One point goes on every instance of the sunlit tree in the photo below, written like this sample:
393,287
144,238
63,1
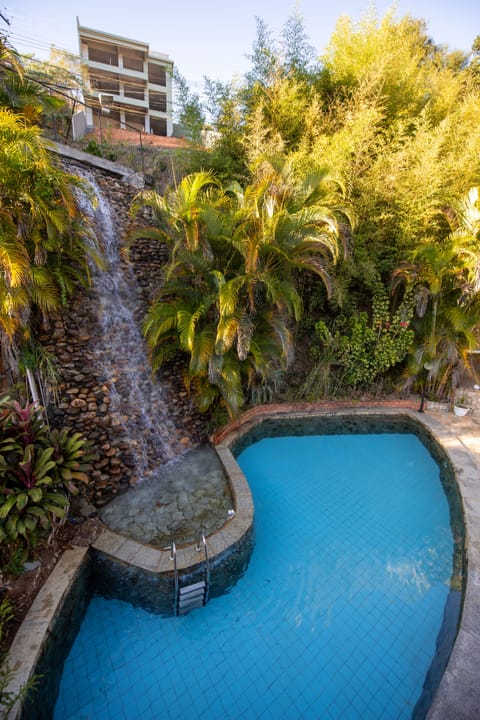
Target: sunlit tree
445,277
229,299
44,240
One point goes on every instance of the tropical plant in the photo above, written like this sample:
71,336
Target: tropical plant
230,296
10,67
38,470
372,346
286,221
45,241
445,277
360,348
183,213
21,93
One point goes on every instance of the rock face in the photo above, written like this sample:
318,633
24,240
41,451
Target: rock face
86,394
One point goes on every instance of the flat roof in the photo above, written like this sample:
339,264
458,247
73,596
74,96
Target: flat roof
84,31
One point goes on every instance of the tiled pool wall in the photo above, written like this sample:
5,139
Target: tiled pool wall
101,573
445,642
155,592
344,423
56,645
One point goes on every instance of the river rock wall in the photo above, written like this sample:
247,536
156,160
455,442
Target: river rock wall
83,400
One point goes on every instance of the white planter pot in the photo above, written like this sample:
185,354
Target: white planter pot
460,411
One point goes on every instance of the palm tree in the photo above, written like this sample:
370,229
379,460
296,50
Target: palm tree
229,295
445,276
290,223
10,65
44,240
21,94
188,209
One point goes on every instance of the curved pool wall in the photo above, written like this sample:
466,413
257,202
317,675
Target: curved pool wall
101,574
343,424
379,425
124,569
458,692
47,633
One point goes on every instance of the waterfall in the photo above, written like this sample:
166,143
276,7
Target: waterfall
137,402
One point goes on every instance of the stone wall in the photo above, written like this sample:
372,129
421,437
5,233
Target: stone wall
84,394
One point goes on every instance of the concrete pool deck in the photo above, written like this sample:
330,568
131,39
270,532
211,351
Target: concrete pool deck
458,696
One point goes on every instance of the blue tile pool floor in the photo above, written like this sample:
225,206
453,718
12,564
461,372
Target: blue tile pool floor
336,617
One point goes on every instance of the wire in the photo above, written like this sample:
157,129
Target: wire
37,42
118,107
98,74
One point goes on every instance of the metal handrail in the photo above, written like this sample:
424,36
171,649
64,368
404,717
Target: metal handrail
207,565
173,556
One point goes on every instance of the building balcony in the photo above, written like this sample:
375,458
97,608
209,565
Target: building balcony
117,70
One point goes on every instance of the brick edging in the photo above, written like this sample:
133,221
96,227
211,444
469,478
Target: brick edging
260,411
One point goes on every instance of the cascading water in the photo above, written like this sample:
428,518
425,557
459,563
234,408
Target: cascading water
137,402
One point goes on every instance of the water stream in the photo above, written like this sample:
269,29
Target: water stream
138,403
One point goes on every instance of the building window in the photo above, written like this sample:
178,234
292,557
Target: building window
112,120
158,126
134,91
105,83
135,122
157,101
157,74
106,54
133,60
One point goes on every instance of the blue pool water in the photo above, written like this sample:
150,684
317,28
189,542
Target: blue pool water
337,616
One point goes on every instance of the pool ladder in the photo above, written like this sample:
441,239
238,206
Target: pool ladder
195,595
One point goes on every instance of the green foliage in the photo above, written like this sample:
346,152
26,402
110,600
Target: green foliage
229,297
45,242
444,279
38,469
298,55
16,561
360,349
373,51
24,89
263,57
226,155
369,347
189,111
99,150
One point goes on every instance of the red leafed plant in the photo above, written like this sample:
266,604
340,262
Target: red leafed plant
39,468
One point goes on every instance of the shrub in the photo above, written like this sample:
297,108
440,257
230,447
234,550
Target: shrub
38,470
99,150
361,349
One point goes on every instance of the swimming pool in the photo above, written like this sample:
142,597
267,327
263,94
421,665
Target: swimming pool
338,615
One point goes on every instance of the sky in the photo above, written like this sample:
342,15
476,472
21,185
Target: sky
213,37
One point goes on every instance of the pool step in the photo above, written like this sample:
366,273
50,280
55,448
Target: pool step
191,597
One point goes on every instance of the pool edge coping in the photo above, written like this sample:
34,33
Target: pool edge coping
458,694
459,682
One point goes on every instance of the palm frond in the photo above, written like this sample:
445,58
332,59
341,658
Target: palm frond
228,296
202,350
227,329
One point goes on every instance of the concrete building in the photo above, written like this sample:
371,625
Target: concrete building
130,85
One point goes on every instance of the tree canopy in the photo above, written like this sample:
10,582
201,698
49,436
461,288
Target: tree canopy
393,117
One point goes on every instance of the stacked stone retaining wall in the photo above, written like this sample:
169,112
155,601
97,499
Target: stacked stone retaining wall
83,396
